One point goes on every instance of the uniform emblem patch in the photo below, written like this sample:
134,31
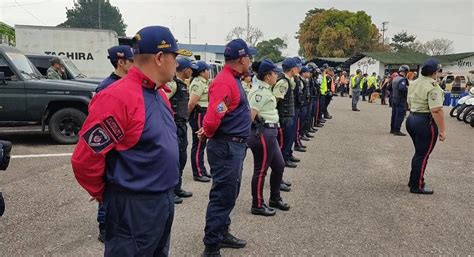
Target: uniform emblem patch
434,96
113,127
221,108
258,98
282,90
97,138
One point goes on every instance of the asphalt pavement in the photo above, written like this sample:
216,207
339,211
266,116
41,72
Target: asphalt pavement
349,197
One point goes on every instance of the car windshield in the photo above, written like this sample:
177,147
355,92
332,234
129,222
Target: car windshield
75,72
23,64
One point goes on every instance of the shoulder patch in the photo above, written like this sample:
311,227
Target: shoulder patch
258,98
97,138
113,127
221,107
282,90
434,96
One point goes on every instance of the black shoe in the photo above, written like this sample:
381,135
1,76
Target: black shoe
308,135
201,179
300,149
207,174
356,110
392,131
294,159
183,194
313,130
322,120
409,185
231,241
398,133
328,117
290,164
319,125
101,236
211,251
286,183
178,200
279,204
263,211
284,188
304,146
304,138
423,191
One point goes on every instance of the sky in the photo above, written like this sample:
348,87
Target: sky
211,20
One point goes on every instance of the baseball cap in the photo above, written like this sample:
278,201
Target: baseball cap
430,66
236,49
267,65
201,66
289,63
184,63
299,61
155,39
304,69
120,52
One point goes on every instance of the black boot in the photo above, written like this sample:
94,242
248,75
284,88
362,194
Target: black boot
284,187
279,204
201,179
308,135
183,194
230,241
211,251
304,138
290,164
300,149
294,159
286,183
178,200
263,211
101,236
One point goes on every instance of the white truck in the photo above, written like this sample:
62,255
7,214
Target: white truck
87,48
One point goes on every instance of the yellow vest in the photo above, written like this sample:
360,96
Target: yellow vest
324,85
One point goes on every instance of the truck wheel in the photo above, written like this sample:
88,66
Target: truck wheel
472,121
460,113
454,112
65,124
468,113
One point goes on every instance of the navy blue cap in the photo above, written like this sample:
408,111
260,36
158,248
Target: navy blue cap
120,52
184,63
202,66
325,65
304,69
298,61
430,66
155,39
289,63
237,48
267,65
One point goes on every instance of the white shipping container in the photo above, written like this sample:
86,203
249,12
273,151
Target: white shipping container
87,48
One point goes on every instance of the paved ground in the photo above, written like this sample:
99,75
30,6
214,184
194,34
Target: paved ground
349,198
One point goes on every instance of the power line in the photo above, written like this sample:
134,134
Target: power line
26,10
432,30
20,5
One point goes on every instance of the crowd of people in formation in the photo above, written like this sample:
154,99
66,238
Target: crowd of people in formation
133,146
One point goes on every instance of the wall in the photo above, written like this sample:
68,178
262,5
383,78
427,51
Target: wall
368,65
209,57
461,66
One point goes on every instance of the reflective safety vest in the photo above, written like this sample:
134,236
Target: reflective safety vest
324,85
353,82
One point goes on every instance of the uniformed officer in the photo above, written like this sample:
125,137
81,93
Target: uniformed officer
247,81
179,98
305,123
356,85
324,93
425,124
56,71
364,86
197,107
121,57
283,91
127,155
399,100
372,85
299,109
314,87
227,125
317,80
263,140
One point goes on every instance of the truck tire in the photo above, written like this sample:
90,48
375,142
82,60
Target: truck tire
64,125
460,113
472,121
454,111
468,113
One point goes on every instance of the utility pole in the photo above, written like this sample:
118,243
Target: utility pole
248,20
383,31
189,31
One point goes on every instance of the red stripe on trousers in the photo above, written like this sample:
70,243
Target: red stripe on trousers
298,140
262,173
198,167
317,112
423,165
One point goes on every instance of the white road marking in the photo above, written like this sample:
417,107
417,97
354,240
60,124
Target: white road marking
40,155
20,130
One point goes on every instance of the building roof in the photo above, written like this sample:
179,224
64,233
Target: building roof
389,58
217,49
449,58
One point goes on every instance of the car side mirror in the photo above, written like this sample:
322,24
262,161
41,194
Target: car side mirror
2,78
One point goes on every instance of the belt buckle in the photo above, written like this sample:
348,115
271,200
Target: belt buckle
237,139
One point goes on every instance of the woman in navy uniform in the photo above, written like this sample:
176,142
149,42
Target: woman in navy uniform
263,140
425,123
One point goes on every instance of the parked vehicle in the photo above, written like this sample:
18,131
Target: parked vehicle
87,48
42,63
27,98
459,108
469,111
448,80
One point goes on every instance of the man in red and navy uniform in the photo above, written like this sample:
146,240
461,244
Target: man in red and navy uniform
127,155
227,125
121,57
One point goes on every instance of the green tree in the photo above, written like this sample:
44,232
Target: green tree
271,49
336,33
402,42
97,14
7,34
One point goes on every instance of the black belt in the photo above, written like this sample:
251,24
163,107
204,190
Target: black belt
241,140
272,125
428,114
200,109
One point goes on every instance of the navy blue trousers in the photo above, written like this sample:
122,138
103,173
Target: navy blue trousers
322,106
285,137
398,114
315,111
299,113
226,161
424,133
182,133
198,147
138,224
266,153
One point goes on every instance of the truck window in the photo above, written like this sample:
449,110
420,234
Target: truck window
5,68
24,66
